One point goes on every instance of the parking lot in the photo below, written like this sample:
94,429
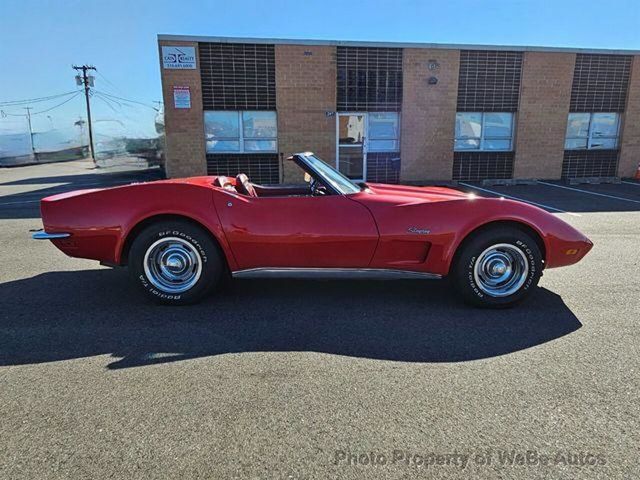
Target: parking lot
318,379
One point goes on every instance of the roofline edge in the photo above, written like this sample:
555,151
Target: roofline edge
357,43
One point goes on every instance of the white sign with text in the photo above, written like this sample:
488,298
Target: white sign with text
181,97
179,57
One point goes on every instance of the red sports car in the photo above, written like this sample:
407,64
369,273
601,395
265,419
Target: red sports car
180,237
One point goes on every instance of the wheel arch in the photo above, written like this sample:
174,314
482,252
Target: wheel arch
524,227
142,224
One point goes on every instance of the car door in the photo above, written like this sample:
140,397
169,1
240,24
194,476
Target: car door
298,231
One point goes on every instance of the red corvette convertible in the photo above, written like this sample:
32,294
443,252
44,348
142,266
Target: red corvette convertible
179,237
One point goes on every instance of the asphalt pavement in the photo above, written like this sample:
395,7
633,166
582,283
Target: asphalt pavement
317,379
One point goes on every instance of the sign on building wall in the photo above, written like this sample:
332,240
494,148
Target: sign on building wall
179,57
181,97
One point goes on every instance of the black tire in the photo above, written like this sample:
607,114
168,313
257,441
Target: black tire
470,282
192,245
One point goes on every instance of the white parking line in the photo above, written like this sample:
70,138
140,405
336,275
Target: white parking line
590,193
521,200
18,203
637,184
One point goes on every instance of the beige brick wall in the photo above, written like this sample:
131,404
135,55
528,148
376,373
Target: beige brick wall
542,117
185,149
305,90
428,114
630,140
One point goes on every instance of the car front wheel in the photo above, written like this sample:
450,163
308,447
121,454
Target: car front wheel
175,262
497,268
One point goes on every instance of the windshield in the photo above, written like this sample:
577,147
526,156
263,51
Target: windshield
336,179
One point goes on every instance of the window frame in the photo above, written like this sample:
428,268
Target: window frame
241,138
372,139
590,138
483,138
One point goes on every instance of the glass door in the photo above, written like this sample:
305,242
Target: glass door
352,146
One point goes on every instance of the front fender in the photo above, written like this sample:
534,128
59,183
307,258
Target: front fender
557,236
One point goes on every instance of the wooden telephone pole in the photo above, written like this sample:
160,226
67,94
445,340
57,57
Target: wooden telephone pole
85,81
33,148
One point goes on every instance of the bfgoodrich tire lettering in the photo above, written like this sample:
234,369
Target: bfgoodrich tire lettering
497,267
175,262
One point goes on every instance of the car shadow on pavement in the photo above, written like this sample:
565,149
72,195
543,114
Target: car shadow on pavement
66,315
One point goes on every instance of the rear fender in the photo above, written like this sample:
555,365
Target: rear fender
101,221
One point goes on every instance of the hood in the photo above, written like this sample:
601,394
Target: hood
408,194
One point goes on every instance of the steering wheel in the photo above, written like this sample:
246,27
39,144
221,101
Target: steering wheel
317,189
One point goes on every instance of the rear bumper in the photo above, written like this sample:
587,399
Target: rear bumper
49,236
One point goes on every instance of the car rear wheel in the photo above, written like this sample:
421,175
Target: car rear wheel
497,268
175,262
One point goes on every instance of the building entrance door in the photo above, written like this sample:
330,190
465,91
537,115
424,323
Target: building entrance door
352,133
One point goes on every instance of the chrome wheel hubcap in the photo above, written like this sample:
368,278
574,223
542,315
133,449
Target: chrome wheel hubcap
501,270
172,265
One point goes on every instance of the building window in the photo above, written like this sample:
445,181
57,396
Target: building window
592,131
384,132
489,81
240,132
237,76
368,79
600,83
484,131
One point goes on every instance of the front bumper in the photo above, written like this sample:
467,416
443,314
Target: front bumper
42,235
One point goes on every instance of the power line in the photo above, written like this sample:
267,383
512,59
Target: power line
56,106
6,114
108,81
109,101
127,100
100,97
104,98
36,100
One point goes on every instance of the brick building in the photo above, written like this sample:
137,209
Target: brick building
390,113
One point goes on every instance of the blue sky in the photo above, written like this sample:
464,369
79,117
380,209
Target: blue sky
39,40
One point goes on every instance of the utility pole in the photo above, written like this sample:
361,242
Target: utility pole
33,148
85,81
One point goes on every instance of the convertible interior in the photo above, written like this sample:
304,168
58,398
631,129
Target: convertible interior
241,184
320,177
